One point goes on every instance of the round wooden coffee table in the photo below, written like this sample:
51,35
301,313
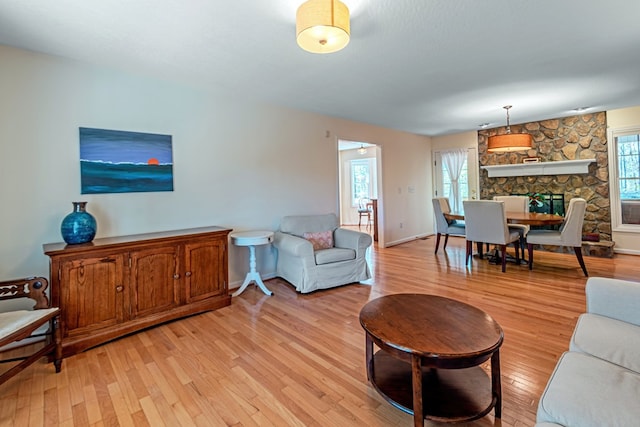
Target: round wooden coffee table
430,349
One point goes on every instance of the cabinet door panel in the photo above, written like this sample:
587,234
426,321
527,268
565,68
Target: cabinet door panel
93,293
206,266
154,280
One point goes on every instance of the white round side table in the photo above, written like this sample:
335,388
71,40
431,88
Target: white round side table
252,239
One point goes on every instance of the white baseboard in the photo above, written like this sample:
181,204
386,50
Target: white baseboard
626,251
405,240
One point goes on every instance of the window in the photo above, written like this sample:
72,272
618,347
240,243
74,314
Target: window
629,167
628,148
625,178
463,181
467,181
362,180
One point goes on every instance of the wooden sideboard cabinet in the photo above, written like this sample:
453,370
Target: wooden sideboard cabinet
118,285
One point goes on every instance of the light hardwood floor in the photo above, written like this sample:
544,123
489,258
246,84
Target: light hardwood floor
298,360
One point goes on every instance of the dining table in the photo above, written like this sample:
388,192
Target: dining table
514,217
528,218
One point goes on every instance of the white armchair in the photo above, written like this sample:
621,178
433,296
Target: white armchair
310,269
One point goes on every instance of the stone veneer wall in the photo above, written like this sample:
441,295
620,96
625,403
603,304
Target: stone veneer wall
569,138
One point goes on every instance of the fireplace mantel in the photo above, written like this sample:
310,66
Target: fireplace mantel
562,167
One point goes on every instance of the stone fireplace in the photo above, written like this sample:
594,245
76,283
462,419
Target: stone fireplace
562,140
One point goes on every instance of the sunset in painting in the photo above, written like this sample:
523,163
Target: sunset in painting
113,161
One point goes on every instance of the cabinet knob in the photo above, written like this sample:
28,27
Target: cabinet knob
188,274
119,288
176,276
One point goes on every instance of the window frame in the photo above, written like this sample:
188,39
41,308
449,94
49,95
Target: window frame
614,179
370,165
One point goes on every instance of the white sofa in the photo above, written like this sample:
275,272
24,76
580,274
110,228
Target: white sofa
308,269
597,382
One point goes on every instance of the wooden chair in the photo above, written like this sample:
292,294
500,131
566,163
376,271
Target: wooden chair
18,325
365,209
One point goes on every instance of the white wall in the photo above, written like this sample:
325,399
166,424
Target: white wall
405,200
458,140
626,242
236,164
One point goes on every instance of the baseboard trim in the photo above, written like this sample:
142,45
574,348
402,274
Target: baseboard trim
408,239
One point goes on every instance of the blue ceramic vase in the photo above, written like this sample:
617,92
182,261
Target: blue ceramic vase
79,226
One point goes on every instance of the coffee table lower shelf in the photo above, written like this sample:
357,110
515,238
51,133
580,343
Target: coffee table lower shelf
448,395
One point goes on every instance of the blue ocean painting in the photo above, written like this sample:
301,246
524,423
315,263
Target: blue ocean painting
113,161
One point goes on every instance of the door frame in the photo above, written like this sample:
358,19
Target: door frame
343,145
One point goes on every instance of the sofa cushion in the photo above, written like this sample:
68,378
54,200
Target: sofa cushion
13,321
320,239
586,391
609,339
327,256
614,298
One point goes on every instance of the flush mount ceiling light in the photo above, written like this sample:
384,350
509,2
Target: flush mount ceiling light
509,141
322,26
362,151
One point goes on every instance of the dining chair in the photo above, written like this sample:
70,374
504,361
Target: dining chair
517,204
569,234
19,327
443,225
365,210
486,221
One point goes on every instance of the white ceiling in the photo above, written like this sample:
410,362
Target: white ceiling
430,67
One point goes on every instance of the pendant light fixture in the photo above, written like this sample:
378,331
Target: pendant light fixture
362,151
509,141
322,26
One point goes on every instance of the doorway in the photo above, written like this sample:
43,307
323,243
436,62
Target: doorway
359,177
467,180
